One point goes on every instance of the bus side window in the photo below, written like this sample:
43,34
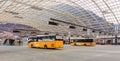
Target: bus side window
52,38
39,39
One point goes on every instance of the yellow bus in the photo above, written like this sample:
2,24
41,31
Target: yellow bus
45,41
82,42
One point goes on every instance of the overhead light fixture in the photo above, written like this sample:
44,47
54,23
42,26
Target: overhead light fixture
36,8
100,32
53,23
84,29
46,33
93,31
72,27
16,31
18,17
14,13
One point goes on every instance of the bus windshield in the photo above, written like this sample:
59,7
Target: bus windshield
59,37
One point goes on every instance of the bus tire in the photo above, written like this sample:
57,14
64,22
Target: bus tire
45,46
75,44
85,45
32,46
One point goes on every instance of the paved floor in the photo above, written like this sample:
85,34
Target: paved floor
68,53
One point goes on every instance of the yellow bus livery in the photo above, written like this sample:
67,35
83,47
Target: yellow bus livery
45,41
82,42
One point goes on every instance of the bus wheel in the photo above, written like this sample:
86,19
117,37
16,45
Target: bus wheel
75,44
85,45
45,46
32,46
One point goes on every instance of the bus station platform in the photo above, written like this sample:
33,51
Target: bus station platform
68,53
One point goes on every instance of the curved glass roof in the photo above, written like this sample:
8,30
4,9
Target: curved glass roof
96,15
